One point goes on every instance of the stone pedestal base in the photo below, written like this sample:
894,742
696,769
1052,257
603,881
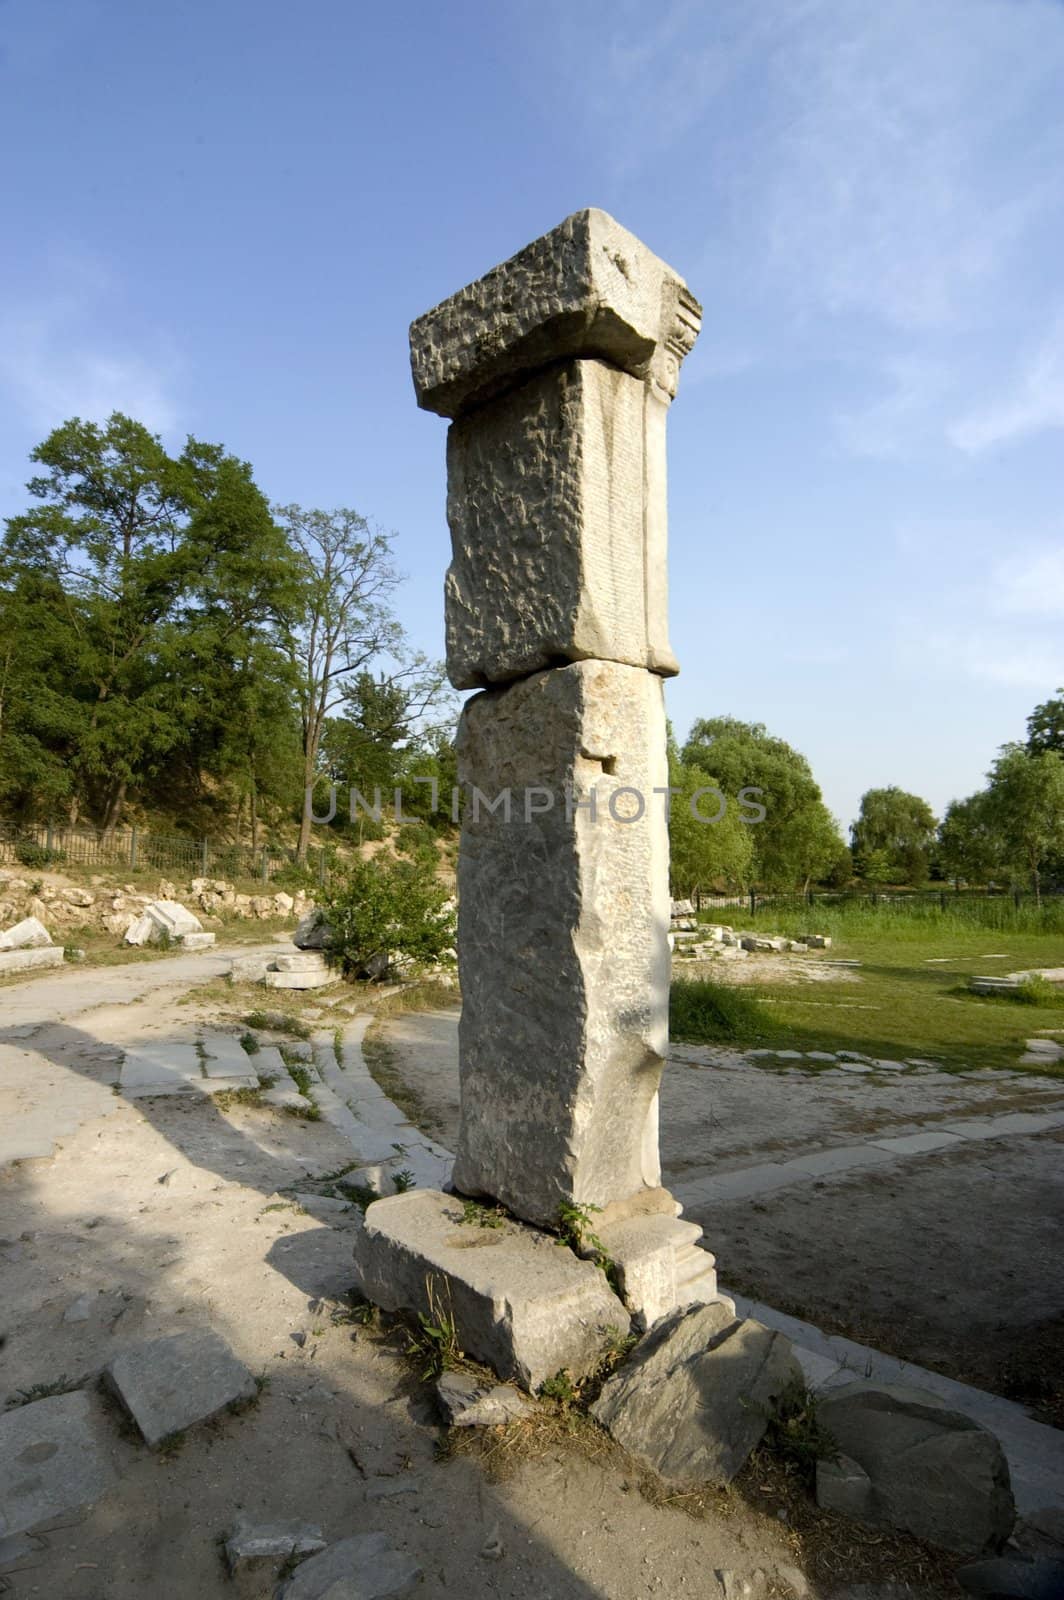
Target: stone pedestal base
521,1302
660,1266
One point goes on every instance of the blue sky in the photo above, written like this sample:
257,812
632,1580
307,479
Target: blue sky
221,218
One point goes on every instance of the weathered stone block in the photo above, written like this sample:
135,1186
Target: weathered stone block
563,940
695,1397
931,1471
29,934
660,1265
522,1303
587,288
53,1461
169,1384
553,539
30,960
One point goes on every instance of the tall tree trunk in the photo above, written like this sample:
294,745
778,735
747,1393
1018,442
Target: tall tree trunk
304,820
114,808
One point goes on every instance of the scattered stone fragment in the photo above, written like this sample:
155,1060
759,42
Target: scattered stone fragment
361,1568
79,1309
271,1541
170,1384
53,1461
469,1403
694,1399
493,1548
313,933
929,1471
29,934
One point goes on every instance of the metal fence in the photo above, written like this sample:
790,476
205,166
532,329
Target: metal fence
52,844
940,898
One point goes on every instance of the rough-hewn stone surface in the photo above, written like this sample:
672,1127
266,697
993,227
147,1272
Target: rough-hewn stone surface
468,1403
695,1398
522,1303
587,288
931,1471
364,1567
53,1461
168,1385
29,960
563,941
549,530
271,1541
29,934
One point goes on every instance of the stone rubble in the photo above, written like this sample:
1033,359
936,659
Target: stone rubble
906,1461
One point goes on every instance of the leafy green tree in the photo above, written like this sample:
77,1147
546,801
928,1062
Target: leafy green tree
705,854
146,572
896,828
970,846
798,840
1045,726
1025,801
384,908
341,623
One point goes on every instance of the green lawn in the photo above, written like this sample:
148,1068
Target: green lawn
903,1004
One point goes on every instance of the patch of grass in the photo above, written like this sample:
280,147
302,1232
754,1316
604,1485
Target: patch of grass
702,1012
225,1099
424,995
1038,991
362,1194
908,998
382,1062
434,1342
481,1216
250,1043
278,1022
299,1073
43,1391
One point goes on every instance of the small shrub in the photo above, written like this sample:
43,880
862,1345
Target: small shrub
30,854
1038,991
381,908
795,1435
561,1388
403,1180
250,1043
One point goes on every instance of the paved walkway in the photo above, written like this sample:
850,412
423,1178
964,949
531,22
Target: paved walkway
386,1145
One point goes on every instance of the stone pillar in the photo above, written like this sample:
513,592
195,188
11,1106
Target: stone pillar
557,369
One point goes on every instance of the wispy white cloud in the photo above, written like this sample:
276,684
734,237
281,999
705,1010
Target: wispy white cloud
900,422
59,357
1035,403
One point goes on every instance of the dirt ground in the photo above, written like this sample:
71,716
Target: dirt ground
951,1260
166,1214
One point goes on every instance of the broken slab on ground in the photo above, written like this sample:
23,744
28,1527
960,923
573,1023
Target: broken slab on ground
364,1567
520,1300
54,1460
170,1384
695,1397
